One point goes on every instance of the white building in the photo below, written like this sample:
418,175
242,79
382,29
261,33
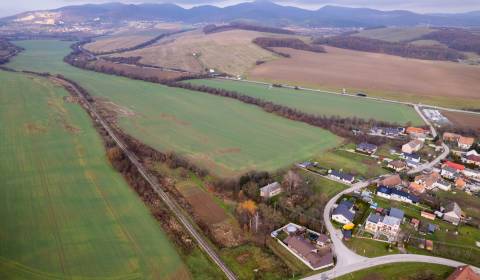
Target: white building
271,190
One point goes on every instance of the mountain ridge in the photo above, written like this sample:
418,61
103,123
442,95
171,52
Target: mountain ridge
264,12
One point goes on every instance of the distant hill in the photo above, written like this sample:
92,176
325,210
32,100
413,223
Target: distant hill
260,11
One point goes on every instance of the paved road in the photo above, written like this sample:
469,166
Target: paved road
443,155
389,259
172,205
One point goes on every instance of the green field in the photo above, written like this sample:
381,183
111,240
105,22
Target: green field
401,271
65,213
221,134
320,103
395,34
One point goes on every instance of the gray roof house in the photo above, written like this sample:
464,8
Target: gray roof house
453,213
344,213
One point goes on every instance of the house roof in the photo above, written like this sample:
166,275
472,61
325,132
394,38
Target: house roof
393,180
454,165
455,208
474,158
417,188
464,273
271,187
342,175
432,227
397,164
391,221
414,143
309,251
451,136
374,218
366,146
412,129
405,194
427,179
344,210
412,155
466,140
443,182
397,213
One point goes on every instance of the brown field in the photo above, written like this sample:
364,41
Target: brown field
137,70
231,51
204,206
431,82
463,119
117,42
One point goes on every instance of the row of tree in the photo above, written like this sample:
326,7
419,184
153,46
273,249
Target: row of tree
394,48
8,50
456,38
294,43
212,28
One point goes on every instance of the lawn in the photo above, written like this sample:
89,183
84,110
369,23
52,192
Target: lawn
321,103
65,212
223,135
323,185
370,248
352,163
401,271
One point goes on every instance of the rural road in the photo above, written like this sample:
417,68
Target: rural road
176,210
389,259
349,261
443,155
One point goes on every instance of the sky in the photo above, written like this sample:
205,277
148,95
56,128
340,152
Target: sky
8,7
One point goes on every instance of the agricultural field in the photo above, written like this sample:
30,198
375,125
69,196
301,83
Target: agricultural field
320,103
65,212
401,271
395,34
111,43
221,134
456,84
464,120
231,52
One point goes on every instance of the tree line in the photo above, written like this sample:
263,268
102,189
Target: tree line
392,48
293,43
212,28
456,38
8,50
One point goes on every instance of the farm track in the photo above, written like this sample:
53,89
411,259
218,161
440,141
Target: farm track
176,210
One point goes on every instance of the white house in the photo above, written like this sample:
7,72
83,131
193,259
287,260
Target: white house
412,146
271,190
344,213
442,185
453,213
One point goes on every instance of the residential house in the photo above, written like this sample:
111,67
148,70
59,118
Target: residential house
346,178
412,146
416,188
415,223
314,257
271,190
367,148
428,215
385,225
460,184
391,181
442,185
397,165
451,137
464,272
472,159
465,143
411,157
427,180
448,172
416,132
397,213
453,213
397,195
344,213
450,169
472,174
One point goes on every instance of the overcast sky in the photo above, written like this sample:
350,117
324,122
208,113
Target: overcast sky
8,7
